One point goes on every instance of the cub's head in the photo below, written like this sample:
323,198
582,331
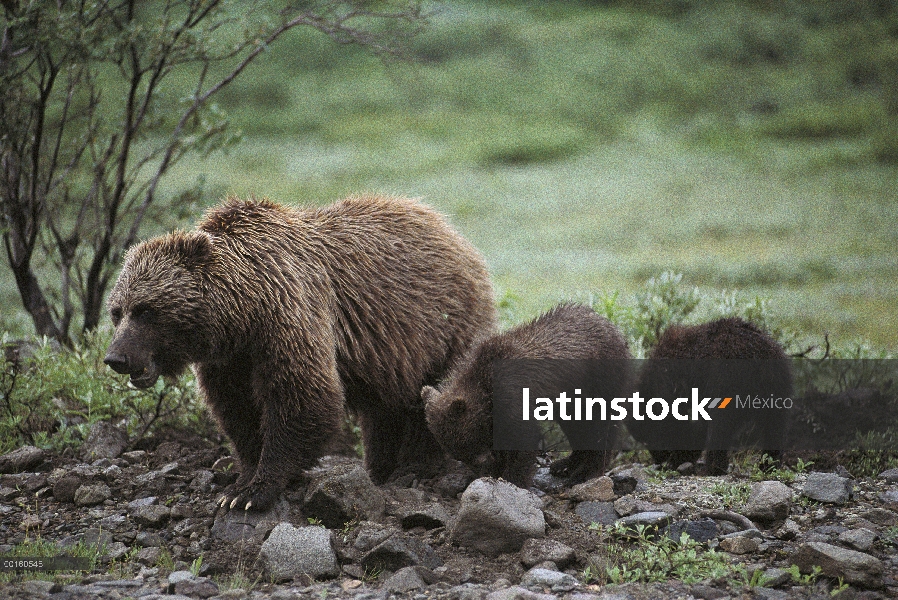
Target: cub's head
158,308
459,416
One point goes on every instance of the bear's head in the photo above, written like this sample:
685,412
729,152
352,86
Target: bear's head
157,306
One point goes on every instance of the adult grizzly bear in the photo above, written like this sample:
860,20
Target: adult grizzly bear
563,348
722,358
289,315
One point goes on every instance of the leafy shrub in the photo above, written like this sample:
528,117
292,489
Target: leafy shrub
51,398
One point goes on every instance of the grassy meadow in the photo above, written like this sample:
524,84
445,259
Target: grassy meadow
587,147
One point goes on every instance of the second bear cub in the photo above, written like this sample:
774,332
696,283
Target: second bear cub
460,412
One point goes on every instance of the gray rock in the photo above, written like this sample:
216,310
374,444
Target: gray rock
116,550
624,484
891,475
769,501
597,512
453,484
291,552
739,545
881,517
202,481
497,516
536,551
134,456
237,525
21,459
629,505
370,535
148,539
343,493
149,556
153,515
65,487
775,577
765,593
746,533
40,589
854,567
544,578
827,487
545,481
859,539
651,518
184,583
518,593
707,592
467,591
599,489
105,440
430,516
142,502
789,530
92,494
400,551
404,580
700,530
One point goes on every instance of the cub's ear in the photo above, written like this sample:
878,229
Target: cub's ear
193,248
429,394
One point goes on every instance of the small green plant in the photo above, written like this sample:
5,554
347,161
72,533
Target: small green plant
196,565
872,452
731,494
347,528
801,467
804,578
661,474
758,577
638,556
165,561
889,536
371,574
237,580
313,520
840,587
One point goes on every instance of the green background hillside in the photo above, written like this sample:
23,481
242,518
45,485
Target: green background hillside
587,147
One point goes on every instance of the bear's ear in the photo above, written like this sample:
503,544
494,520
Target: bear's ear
429,394
192,248
458,408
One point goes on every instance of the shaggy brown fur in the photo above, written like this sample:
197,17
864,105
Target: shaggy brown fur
731,338
460,412
290,315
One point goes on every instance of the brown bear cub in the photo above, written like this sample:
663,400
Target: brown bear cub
289,316
460,413
703,356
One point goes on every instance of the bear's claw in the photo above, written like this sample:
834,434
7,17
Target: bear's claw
252,497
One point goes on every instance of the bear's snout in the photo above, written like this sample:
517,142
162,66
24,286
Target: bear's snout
118,362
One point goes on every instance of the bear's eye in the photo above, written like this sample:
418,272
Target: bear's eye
142,311
116,314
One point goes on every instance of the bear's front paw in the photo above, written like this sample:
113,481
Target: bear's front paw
255,496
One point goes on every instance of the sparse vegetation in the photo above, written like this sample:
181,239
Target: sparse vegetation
642,555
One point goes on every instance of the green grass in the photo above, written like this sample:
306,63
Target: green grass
586,149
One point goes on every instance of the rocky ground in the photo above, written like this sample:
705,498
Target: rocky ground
153,514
